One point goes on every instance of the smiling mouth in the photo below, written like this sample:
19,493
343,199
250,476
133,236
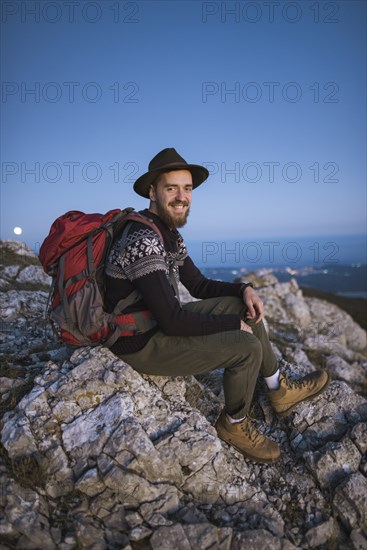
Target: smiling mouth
179,207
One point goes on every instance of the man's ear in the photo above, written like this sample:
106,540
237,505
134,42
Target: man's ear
152,193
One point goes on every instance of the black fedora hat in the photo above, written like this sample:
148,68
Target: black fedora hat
166,161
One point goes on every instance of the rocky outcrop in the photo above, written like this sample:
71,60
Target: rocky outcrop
24,271
97,456
317,332
141,461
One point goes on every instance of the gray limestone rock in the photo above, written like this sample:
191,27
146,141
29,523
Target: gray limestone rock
359,541
326,418
33,274
185,295
359,437
254,540
321,534
99,456
9,383
334,461
203,536
4,285
10,271
337,323
21,249
167,537
25,304
354,374
259,278
91,432
25,516
350,502
284,304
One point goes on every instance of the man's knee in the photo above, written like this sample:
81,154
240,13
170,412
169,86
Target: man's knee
245,361
254,348
242,343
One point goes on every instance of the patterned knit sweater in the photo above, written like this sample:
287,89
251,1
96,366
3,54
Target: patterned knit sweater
144,263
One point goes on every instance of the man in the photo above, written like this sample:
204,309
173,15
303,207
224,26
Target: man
222,330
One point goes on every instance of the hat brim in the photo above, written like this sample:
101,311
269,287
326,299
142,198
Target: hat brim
142,184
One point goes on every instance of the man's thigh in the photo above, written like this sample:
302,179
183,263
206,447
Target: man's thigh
183,355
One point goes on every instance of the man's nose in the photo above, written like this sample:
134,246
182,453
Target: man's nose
181,195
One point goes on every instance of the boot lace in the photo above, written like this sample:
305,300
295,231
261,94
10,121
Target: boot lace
294,384
249,428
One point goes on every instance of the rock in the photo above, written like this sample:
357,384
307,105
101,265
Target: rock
337,323
21,249
25,516
259,278
359,437
33,274
25,304
99,456
166,538
88,533
334,461
4,284
139,533
185,295
350,502
297,309
9,383
321,534
359,541
90,483
203,536
355,375
17,436
326,418
88,422
208,536
284,303
310,324
297,355
254,540
10,271
141,445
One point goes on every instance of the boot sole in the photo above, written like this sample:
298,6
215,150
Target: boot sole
283,414
247,455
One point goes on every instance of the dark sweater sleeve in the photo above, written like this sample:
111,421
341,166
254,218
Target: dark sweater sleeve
201,287
159,298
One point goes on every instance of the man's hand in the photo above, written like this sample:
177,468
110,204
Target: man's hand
254,304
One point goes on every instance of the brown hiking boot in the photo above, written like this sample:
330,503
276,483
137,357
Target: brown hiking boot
244,437
292,392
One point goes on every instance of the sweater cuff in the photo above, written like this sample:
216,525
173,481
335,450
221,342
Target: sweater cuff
245,285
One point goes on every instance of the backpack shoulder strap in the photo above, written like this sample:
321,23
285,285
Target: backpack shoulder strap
131,217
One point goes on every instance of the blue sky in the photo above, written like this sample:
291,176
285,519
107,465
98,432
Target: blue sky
269,95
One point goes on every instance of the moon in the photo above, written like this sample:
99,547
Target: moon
18,230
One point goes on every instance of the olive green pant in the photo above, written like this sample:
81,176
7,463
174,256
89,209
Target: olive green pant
241,354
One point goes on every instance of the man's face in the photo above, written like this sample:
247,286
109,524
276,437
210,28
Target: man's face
170,198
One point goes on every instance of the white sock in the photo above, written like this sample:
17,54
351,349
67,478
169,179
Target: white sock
234,420
272,381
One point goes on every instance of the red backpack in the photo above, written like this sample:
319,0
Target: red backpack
74,254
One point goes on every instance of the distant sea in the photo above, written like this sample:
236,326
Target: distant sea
343,280
335,264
